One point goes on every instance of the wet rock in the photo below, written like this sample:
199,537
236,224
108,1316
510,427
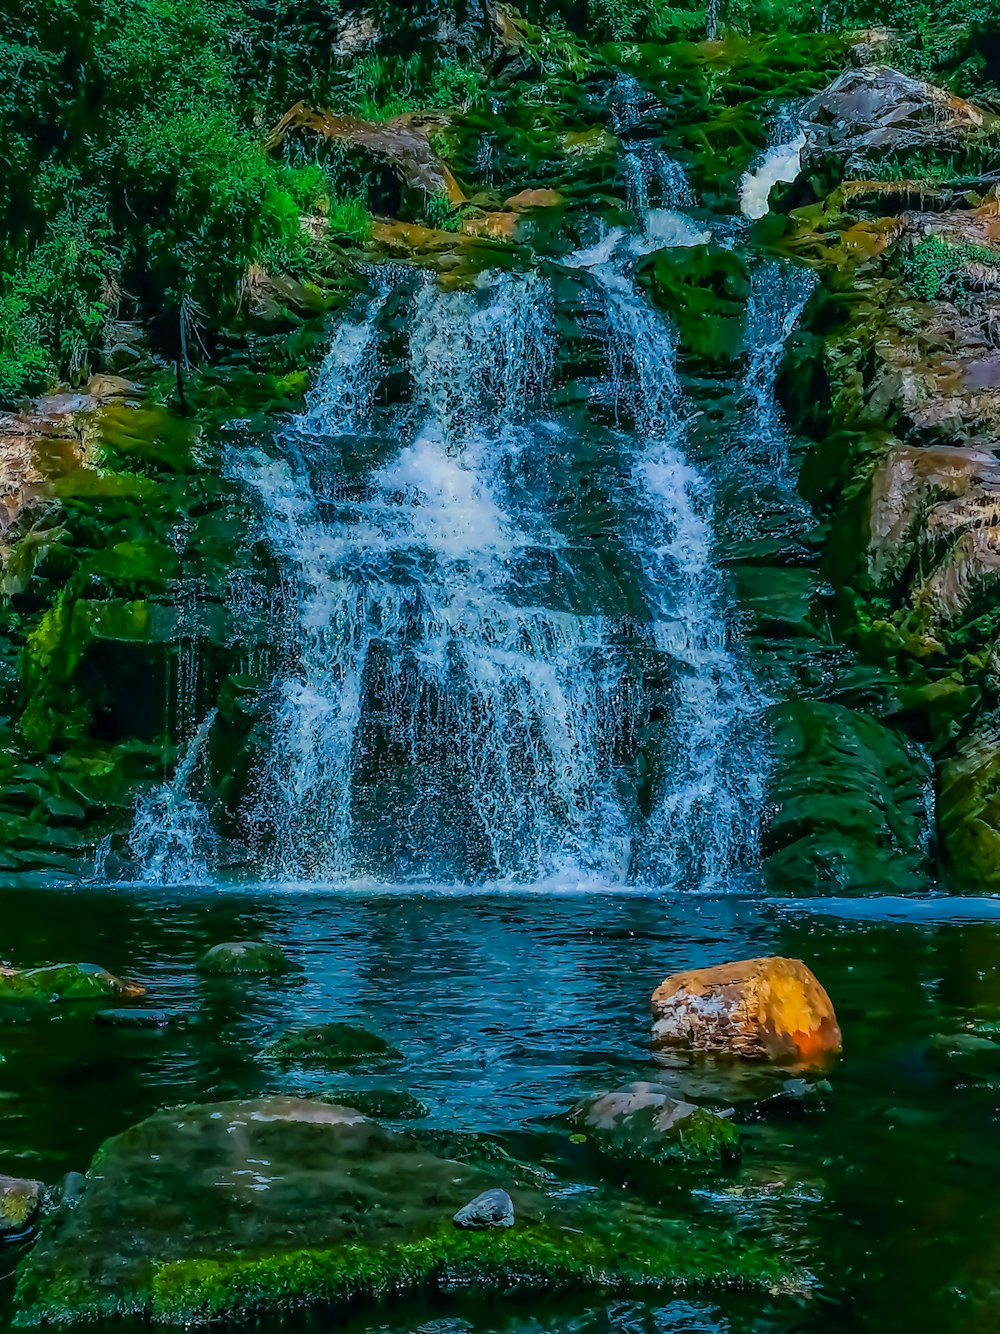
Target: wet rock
20,1200
379,1104
493,1208
230,1210
32,987
405,142
643,1123
526,199
330,1044
771,1008
134,1018
247,956
877,107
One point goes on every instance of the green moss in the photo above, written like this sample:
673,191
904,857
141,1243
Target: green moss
704,289
382,1104
529,1259
329,1044
248,957
58,982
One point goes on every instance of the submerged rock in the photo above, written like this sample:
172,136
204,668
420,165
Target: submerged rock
772,1008
380,1104
493,1208
134,1018
61,982
330,1044
235,1209
247,956
644,1123
20,1200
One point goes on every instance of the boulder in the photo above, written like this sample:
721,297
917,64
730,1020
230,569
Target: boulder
229,1211
541,198
769,1008
20,1200
875,107
493,1208
61,982
247,956
330,1044
643,1123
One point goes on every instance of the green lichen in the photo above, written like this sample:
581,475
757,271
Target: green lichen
530,1259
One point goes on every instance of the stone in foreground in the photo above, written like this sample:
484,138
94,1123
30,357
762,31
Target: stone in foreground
19,1202
236,1209
642,1123
330,1044
493,1208
771,1009
247,956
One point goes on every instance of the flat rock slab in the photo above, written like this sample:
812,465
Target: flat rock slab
231,1209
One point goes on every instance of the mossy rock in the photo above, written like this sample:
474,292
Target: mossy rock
247,956
174,1225
704,289
330,1044
969,809
850,802
24,991
380,1104
643,1124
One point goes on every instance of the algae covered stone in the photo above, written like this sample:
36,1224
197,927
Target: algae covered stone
643,1123
329,1044
235,1209
19,1202
247,956
28,987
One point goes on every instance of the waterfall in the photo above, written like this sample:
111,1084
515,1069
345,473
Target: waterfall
780,164
172,841
778,295
414,668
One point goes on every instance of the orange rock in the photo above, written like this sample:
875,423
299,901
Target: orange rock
494,226
771,1008
534,199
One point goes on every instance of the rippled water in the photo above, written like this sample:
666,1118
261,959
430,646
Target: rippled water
509,1007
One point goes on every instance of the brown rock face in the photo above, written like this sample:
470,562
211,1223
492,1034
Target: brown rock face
773,1009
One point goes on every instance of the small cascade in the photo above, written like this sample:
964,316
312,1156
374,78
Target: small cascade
778,296
484,160
780,164
172,841
653,179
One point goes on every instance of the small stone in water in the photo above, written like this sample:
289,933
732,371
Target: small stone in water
247,956
494,1208
19,1202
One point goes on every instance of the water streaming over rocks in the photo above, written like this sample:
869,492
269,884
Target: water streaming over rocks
780,164
172,841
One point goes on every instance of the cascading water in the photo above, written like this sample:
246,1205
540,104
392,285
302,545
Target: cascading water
172,841
654,179
704,823
780,164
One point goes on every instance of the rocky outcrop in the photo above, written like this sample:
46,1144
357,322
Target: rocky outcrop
875,107
32,987
770,1008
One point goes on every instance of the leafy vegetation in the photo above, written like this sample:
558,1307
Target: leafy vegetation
935,262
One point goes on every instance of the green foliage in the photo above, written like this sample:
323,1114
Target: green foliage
438,213
349,219
934,263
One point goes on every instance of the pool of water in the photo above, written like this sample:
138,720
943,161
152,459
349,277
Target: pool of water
510,1007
